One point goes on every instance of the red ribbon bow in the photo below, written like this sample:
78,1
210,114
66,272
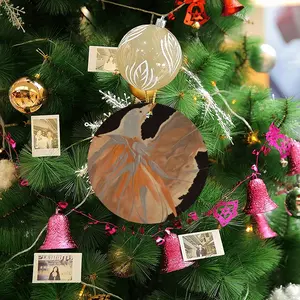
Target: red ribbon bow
195,12
11,141
110,230
159,240
24,182
192,216
62,205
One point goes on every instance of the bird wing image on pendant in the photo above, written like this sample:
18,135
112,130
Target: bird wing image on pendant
142,180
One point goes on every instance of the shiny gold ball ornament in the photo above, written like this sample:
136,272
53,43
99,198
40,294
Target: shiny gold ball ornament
142,95
121,263
149,56
252,138
27,95
267,59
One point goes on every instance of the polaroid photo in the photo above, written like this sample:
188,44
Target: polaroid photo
57,267
201,245
102,59
45,135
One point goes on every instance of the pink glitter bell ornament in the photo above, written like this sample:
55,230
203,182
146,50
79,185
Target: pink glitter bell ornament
58,233
173,260
258,198
294,159
263,228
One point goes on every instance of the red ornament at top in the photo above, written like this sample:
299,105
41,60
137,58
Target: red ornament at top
231,7
195,12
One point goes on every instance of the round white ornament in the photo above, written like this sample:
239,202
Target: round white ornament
149,56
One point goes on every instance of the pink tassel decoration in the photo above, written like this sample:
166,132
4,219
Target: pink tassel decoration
258,198
294,159
263,228
58,233
173,260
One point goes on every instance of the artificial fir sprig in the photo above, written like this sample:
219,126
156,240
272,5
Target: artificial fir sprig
13,13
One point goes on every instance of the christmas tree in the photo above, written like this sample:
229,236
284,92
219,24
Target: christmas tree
98,157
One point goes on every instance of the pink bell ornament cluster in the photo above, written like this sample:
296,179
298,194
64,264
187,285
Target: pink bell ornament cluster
258,203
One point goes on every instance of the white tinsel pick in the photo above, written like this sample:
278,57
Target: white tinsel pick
290,292
211,107
7,174
94,126
13,13
114,101
82,172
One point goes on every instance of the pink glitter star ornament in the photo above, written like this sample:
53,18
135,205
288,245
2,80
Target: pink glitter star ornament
225,211
173,260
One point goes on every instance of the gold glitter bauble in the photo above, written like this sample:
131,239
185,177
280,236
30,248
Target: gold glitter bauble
121,263
142,95
26,95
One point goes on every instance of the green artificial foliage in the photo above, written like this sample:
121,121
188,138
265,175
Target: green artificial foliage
76,184
44,172
180,96
127,263
55,291
96,270
141,254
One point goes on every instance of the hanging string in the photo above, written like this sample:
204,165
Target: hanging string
152,19
43,54
143,10
3,132
102,290
6,138
211,107
34,41
218,92
247,293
